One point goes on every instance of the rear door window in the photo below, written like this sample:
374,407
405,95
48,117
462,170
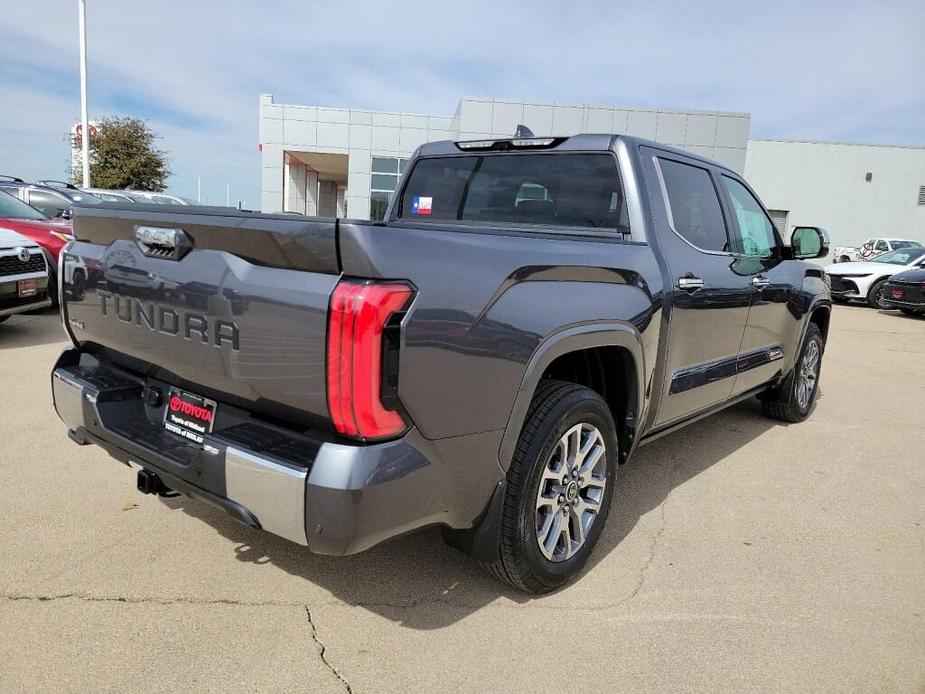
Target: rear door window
48,203
695,210
552,189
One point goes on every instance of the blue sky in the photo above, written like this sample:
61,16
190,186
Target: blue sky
805,70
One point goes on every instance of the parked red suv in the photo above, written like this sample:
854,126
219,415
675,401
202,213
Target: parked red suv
51,235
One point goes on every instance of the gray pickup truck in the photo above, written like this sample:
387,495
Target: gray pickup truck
531,311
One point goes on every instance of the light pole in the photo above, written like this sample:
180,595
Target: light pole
84,119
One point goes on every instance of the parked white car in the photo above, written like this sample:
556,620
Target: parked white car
23,275
871,248
864,280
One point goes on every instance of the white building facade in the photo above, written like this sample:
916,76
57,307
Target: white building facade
853,191
346,162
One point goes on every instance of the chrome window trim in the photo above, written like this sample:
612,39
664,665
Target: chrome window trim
667,203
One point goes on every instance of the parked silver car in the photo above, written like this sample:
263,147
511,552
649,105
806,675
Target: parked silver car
144,196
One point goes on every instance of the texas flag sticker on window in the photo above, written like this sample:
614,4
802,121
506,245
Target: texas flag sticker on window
421,205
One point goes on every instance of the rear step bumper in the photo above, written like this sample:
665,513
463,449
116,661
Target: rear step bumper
333,498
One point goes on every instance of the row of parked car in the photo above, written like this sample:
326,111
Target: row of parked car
891,280
54,199
36,217
34,228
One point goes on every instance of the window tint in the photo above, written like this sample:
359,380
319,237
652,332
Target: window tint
378,204
554,189
903,256
383,182
15,191
384,179
755,229
87,199
385,165
695,210
112,197
14,208
47,203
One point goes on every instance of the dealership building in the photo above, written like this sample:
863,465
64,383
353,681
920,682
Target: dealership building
346,162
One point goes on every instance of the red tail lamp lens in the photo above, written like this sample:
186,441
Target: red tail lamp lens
356,322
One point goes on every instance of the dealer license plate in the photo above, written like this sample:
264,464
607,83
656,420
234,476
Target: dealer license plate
188,415
27,288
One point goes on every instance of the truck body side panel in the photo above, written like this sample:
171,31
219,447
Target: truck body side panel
475,337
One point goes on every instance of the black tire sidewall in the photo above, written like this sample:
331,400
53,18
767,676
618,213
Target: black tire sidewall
79,286
813,333
876,290
582,405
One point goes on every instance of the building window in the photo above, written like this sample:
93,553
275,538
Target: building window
385,174
921,195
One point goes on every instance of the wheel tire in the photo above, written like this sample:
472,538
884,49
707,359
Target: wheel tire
557,407
78,286
911,311
784,403
874,294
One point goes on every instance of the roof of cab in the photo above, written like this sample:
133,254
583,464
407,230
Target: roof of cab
582,142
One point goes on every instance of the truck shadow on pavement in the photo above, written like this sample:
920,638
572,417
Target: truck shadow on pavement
32,330
421,583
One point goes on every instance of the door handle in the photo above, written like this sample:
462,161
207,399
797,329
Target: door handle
760,281
690,283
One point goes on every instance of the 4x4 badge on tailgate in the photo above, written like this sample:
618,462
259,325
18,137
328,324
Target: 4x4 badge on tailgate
160,242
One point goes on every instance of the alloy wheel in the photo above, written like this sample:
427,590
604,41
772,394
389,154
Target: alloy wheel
809,374
571,490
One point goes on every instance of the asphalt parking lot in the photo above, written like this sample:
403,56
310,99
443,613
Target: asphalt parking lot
741,554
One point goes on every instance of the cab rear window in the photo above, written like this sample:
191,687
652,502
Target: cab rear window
552,189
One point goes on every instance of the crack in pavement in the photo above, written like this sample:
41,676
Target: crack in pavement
323,651
653,546
398,605
141,600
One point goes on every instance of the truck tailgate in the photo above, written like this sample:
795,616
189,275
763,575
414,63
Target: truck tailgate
240,311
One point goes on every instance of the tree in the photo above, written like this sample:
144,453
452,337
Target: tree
122,155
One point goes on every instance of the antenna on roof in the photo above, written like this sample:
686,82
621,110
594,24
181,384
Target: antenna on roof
523,131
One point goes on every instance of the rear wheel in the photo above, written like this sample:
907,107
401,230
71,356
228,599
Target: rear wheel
875,295
79,286
559,488
794,399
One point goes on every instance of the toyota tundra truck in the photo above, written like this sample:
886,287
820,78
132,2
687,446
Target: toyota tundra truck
530,312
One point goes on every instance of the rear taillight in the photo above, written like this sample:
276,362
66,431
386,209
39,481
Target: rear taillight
360,363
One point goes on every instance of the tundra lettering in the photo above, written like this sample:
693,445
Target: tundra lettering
529,313
167,321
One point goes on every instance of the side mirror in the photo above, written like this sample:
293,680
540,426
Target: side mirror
64,213
809,242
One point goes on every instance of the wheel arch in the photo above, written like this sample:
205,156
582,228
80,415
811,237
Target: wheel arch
607,357
820,315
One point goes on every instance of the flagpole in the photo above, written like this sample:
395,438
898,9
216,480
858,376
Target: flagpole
84,119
